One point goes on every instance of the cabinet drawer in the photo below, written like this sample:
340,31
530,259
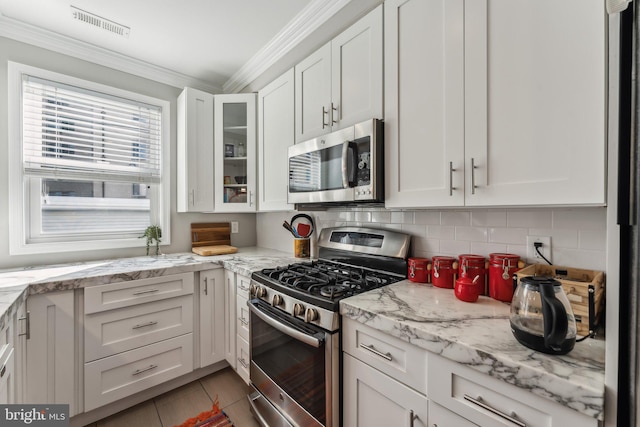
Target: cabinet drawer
243,284
242,351
124,294
396,358
114,331
242,312
7,378
119,376
487,401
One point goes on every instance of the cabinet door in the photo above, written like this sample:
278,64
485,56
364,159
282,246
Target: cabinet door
424,103
313,94
230,318
51,351
275,134
535,102
235,152
7,375
195,151
374,399
356,72
212,320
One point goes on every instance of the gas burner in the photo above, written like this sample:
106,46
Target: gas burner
334,291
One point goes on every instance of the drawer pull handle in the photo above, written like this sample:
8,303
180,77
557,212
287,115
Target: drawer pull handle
243,363
244,321
3,370
483,405
372,349
148,368
412,417
27,320
148,291
144,325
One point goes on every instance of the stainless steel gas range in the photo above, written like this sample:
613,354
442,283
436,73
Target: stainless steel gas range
295,323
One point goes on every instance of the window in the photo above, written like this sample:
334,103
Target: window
88,169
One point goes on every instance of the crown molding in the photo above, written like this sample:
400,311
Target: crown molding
307,21
30,34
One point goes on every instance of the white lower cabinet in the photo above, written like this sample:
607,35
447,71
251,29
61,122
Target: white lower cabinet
388,381
384,381
212,323
230,318
242,326
139,334
7,374
123,374
51,352
375,399
237,323
490,402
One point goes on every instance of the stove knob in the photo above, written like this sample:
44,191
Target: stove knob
277,300
310,315
252,289
261,291
298,309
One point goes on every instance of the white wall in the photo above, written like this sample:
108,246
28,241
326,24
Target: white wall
11,50
578,235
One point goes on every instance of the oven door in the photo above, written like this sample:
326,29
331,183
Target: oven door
295,366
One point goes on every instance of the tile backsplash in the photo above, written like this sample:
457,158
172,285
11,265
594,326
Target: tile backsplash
578,235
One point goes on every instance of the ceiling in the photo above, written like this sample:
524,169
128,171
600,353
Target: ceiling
209,40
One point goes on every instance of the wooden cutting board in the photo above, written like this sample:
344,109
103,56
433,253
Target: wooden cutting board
214,250
211,238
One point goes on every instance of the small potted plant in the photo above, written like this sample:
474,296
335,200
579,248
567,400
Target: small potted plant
153,232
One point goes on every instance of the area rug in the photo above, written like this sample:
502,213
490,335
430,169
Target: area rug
213,418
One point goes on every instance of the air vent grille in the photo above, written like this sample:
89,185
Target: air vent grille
100,22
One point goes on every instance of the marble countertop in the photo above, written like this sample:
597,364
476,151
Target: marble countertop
17,284
474,334
478,335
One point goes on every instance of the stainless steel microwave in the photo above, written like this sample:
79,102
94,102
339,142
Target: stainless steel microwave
345,166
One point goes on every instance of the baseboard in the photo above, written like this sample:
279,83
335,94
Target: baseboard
85,418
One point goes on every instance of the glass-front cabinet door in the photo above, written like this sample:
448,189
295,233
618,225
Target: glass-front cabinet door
235,152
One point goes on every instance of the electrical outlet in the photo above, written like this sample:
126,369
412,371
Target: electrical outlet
532,254
234,226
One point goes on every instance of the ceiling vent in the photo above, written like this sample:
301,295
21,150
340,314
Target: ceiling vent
100,22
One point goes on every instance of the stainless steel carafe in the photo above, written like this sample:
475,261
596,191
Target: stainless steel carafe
541,316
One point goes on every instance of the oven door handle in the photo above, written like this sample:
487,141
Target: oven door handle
285,329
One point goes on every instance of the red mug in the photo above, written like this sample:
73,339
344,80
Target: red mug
467,289
472,266
417,269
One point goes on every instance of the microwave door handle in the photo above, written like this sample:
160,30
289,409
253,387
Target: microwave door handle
285,329
345,164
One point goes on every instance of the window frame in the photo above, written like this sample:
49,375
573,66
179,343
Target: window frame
19,185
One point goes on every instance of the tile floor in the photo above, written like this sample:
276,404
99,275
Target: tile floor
174,407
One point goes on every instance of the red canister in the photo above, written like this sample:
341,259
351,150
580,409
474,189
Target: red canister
501,269
443,269
417,269
472,266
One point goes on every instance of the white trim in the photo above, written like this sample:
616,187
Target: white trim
17,189
307,21
26,33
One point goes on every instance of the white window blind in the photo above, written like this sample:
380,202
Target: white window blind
75,133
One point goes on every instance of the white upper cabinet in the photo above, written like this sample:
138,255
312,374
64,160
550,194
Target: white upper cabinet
506,114
342,83
535,102
195,151
275,134
424,103
235,152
